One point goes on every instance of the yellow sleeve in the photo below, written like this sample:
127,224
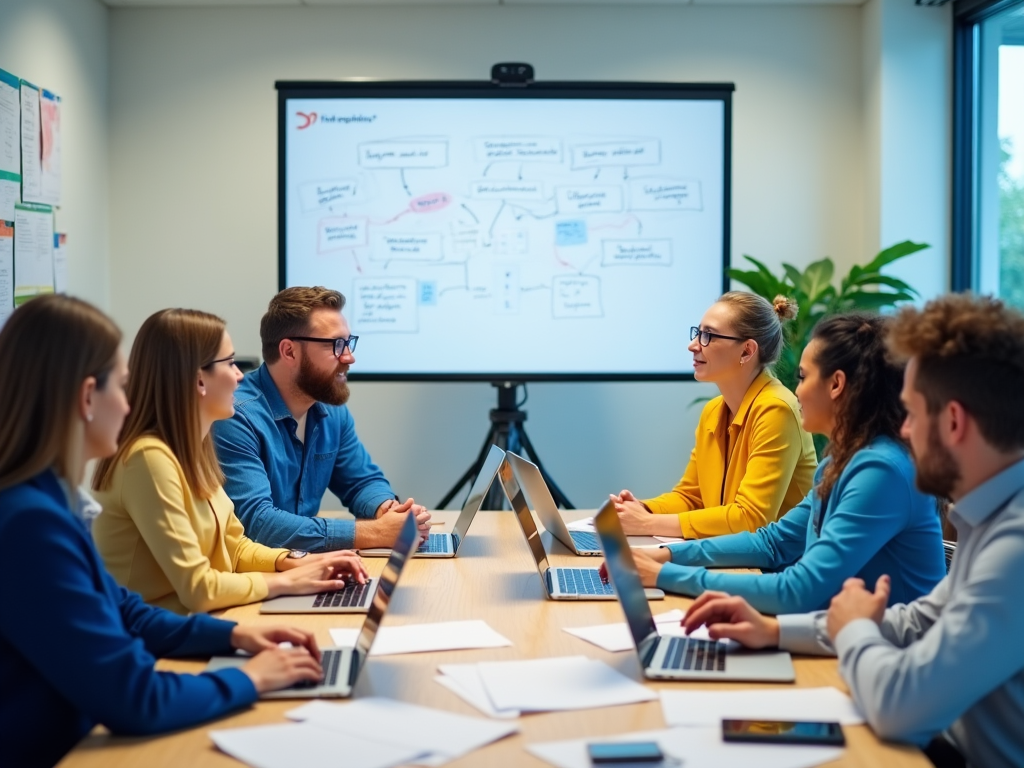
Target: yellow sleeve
153,496
685,496
775,447
247,555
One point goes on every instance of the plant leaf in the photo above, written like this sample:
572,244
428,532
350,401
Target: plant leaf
874,301
817,278
894,252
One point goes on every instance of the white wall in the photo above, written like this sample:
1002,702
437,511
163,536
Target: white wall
62,45
193,201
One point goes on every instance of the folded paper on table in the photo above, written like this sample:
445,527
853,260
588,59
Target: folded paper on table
421,638
442,735
470,688
290,744
561,683
711,707
616,637
694,748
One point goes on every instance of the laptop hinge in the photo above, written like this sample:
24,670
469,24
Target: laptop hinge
455,542
551,585
648,648
353,669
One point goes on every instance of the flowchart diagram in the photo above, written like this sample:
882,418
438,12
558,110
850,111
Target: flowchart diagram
522,215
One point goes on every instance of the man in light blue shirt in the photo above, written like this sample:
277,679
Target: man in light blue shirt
292,438
946,671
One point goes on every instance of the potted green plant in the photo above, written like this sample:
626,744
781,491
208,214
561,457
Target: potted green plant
864,288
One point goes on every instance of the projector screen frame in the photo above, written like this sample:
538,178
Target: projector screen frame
485,89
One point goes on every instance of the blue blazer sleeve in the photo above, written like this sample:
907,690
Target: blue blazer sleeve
84,644
356,480
872,507
774,546
248,485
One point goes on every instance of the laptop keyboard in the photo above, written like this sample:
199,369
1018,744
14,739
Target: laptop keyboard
351,596
331,665
586,541
437,543
582,581
691,655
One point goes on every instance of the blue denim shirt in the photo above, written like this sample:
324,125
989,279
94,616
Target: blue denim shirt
276,481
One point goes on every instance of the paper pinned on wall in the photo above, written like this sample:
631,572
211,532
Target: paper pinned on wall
31,154
50,147
10,124
10,194
6,271
33,251
60,262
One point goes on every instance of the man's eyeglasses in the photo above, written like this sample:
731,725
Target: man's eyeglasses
707,336
339,344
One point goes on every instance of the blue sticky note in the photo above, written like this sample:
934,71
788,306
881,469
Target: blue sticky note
572,232
428,293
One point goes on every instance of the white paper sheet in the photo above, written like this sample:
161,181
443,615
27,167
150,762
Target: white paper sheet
31,169
561,683
711,707
33,251
10,195
444,735
464,681
301,744
420,638
695,748
10,124
6,272
60,262
615,637
50,147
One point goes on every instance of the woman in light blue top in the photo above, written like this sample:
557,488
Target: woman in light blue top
863,518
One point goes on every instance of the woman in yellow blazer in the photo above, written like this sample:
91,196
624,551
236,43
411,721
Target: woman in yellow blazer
752,461
168,530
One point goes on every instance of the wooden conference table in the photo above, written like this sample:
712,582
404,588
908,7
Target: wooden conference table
494,578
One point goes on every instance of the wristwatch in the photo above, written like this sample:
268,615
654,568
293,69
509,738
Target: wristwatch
296,554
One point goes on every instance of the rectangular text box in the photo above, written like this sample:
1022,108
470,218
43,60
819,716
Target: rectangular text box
589,199
576,296
532,149
648,253
339,233
624,153
664,195
404,154
384,305
407,247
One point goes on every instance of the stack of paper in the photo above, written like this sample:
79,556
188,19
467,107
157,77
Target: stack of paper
616,637
694,748
369,733
439,736
711,707
507,688
419,638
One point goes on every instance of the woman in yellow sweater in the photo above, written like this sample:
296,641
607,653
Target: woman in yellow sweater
752,460
168,530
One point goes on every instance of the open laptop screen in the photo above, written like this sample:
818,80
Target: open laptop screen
477,492
400,551
624,577
523,514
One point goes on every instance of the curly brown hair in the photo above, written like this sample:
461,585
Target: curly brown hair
870,404
288,315
969,349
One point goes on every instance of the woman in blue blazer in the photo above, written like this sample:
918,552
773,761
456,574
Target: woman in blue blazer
864,517
75,648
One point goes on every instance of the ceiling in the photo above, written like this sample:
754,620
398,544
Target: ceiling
323,3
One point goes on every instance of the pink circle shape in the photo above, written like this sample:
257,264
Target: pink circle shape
434,201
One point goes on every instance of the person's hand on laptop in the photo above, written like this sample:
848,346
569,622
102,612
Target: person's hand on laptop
384,529
318,576
279,668
731,618
649,562
856,602
638,520
392,506
255,639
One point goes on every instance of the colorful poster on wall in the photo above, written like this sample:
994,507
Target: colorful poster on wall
6,270
60,262
49,124
31,170
33,251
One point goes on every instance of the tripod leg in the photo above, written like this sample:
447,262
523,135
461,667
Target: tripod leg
469,477
556,493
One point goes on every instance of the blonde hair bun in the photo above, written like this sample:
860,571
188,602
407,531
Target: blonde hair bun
785,308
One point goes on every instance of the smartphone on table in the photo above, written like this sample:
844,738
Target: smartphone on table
623,754
783,732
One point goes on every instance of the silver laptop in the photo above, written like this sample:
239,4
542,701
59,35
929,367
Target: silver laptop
447,544
342,665
677,658
559,583
530,479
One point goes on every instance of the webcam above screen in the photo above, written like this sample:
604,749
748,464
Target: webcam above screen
548,231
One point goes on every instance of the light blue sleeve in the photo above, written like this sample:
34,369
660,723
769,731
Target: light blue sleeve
872,508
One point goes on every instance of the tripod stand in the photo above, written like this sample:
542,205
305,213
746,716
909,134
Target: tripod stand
507,432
